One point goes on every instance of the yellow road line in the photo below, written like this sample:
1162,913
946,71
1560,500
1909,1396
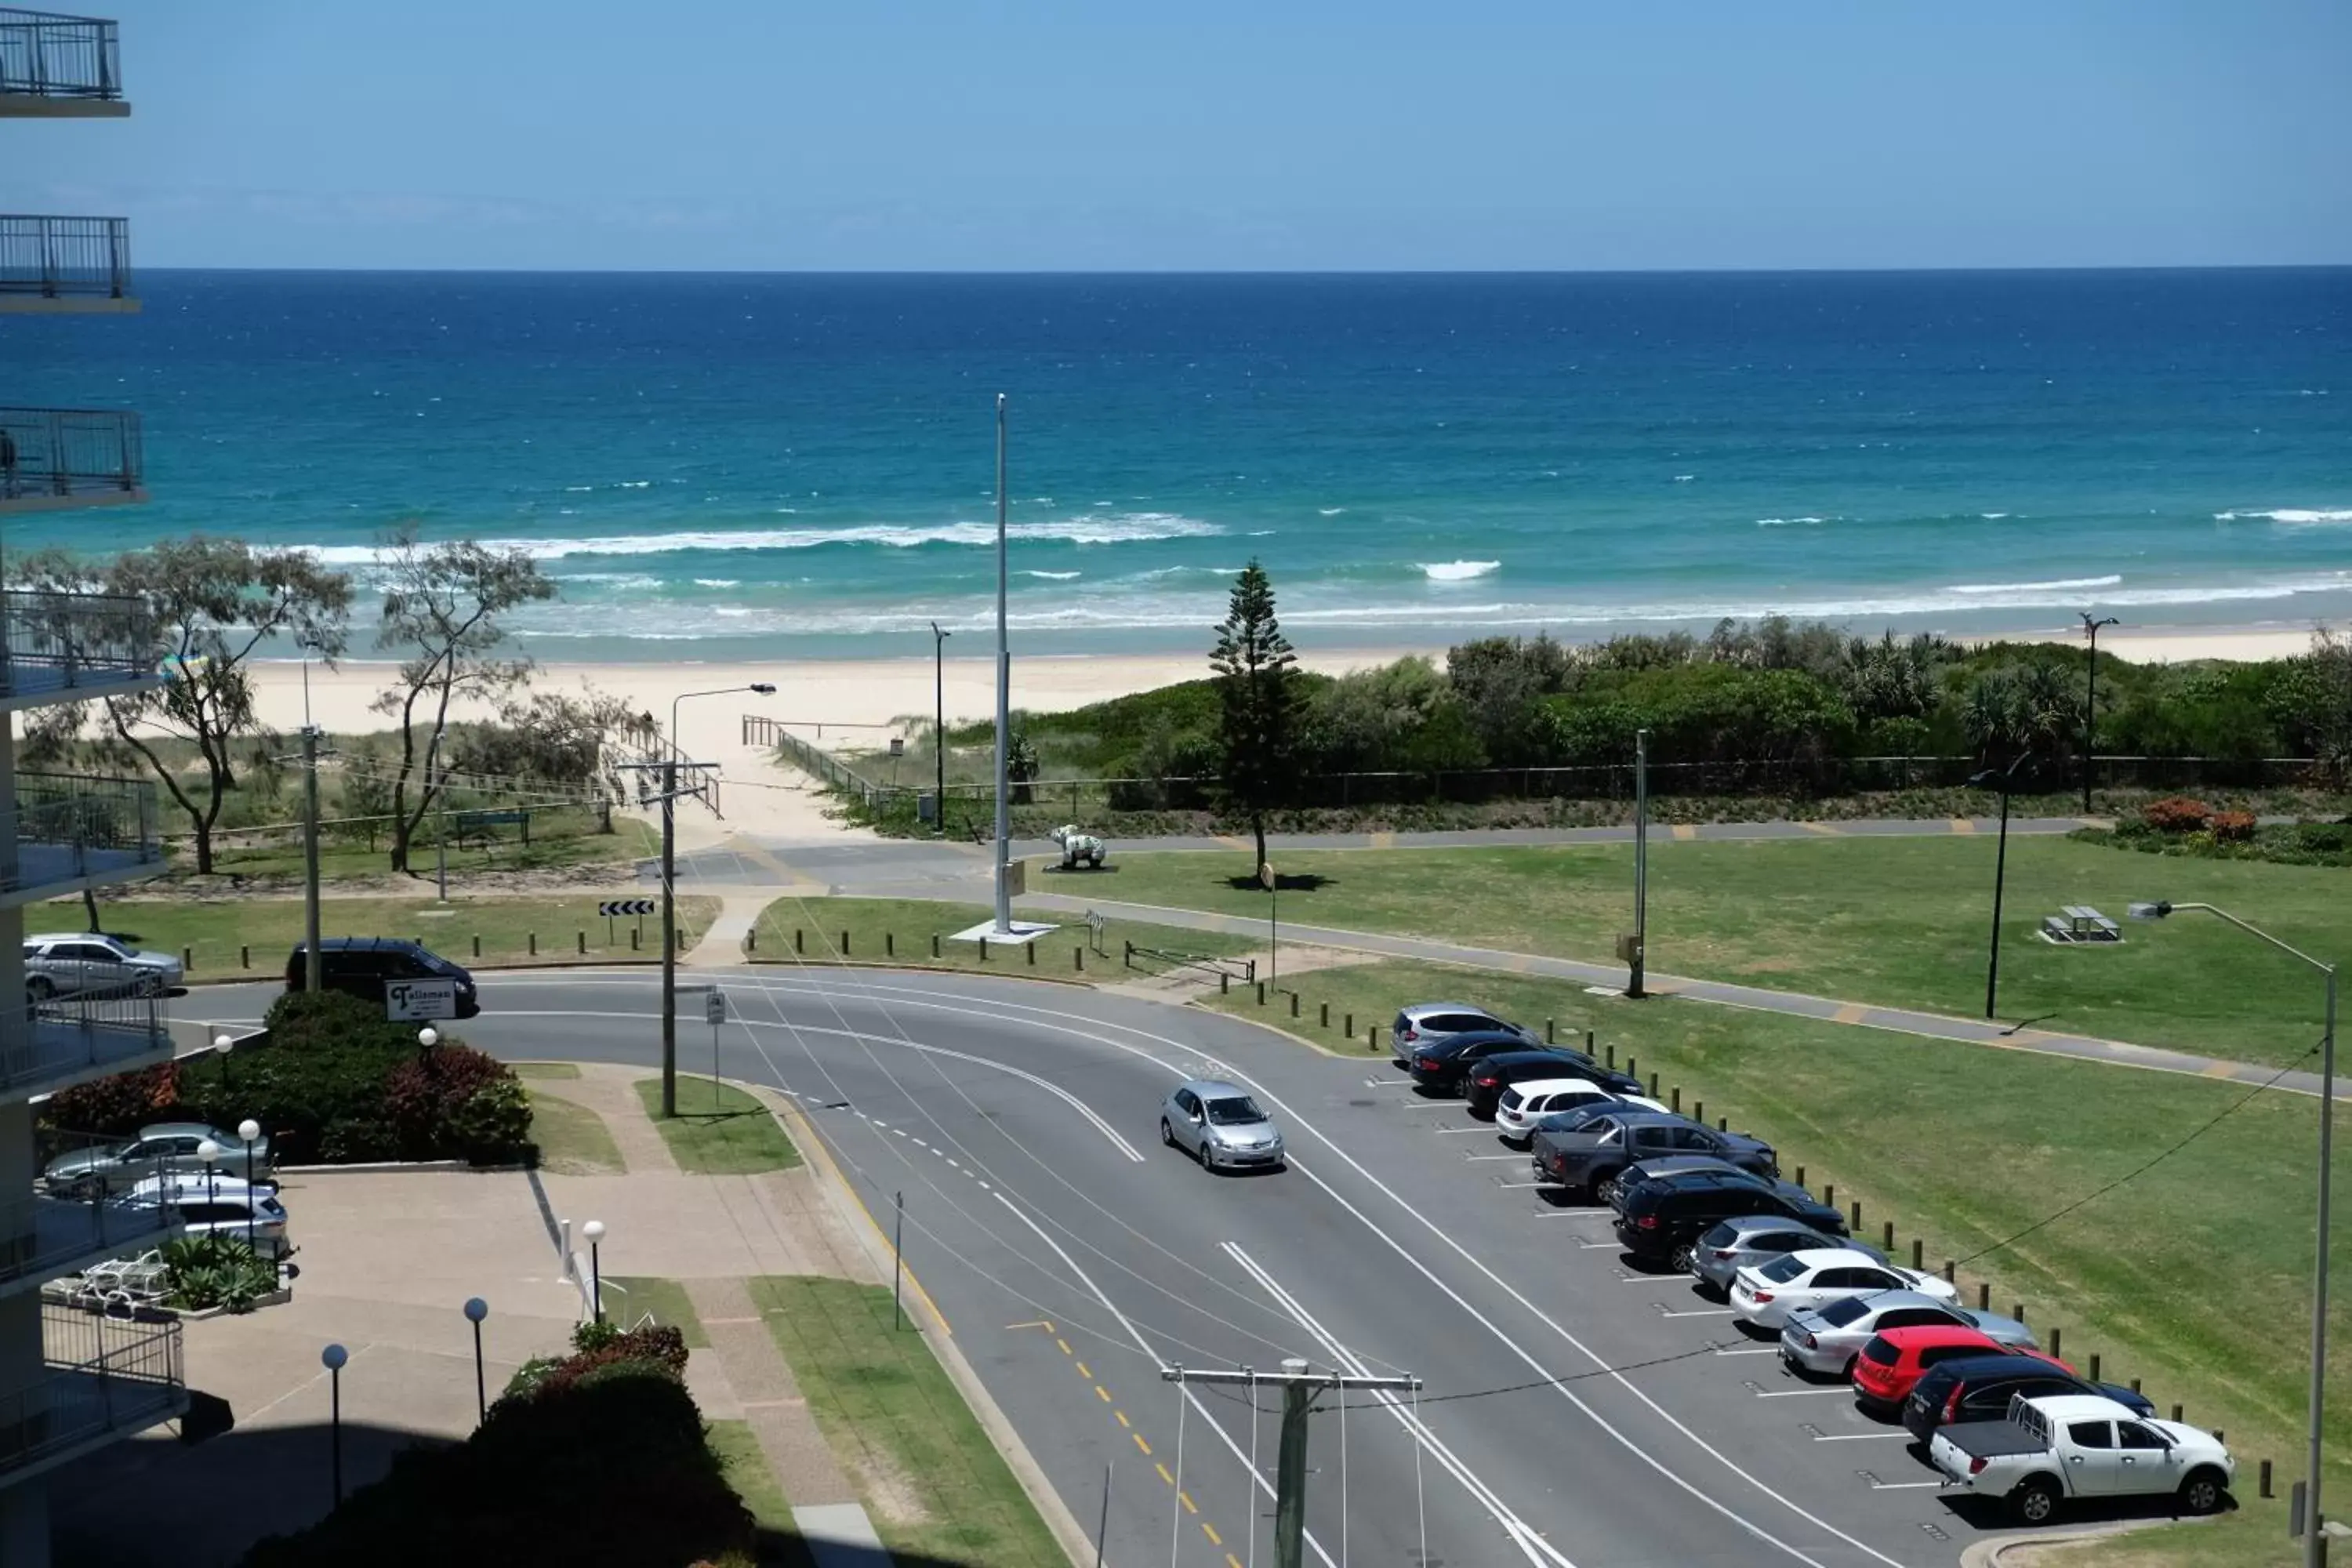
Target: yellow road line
1230,842
2219,1069
1231,1561
1164,1471
1851,1012
1105,1393
1383,840
1186,1498
1823,828
1962,825
1122,1418
1084,1370
1146,1453
1067,1349
1684,832
815,1145
1211,1531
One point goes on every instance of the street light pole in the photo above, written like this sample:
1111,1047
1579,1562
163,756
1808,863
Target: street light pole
2314,1549
594,1231
1004,700
669,891
1638,960
2001,782
2091,701
940,726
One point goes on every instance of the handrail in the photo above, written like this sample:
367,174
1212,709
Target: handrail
63,452
99,1374
65,257
45,55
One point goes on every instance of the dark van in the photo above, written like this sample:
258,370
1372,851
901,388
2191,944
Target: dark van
361,965
1659,1220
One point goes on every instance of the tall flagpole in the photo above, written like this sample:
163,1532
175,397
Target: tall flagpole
1003,703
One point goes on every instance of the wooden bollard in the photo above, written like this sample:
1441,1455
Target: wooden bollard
983,949
637,939
2017,1310
245,954
2134,1385
1654,1086
1889,1247
532,938
1224,984
1679,1100
582,937
1855,1226
1030,948
1078,958
1632,1070
844,945
1611,1061
1587,1044
1350,1029
1829,1194
2175,1413
1951,1272
1127,958
188,959
1698,1111
1723,1124
2095,1363
1984,1296
1323,1015
935,944
1293,1003
1801,1176
751,940
1918,1255
889,944
1551,1033
1261,993
2265,1473
477,945
2056,1337
799,941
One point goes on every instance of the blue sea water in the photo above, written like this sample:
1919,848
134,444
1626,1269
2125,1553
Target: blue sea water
735,466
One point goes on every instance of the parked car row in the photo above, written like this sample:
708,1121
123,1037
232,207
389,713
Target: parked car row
1995,1414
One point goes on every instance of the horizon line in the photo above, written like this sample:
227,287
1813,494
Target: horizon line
1013,272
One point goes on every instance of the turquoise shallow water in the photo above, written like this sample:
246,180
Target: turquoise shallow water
725,466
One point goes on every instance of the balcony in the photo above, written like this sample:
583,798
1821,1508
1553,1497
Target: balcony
66,263
67,1040
74,831
54,458
82,1219
69,647
104,1378
54,66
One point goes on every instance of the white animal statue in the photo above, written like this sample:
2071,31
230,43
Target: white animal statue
1078,847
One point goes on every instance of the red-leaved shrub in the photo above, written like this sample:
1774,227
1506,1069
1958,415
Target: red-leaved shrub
121,1104
422,1093
2233,826
2176,814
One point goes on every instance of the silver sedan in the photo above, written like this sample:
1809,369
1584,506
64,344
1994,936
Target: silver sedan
1220,1125
1722,1252
1826,1340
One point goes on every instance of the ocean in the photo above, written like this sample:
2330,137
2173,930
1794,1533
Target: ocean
720,467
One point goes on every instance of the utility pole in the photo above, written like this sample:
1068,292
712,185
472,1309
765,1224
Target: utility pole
939,724
2091,701
1298,1382
1637,959
1003,701
669,931
310,981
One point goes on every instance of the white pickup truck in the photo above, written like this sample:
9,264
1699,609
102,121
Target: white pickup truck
2065,1446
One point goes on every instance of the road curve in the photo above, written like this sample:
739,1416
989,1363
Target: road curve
1019,1121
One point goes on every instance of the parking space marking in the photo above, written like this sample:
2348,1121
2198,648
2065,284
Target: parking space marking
1455,1131
1517,1186
1803,1392
1748,1350
1857,1436
1696,1312
1481,1159
1593,1245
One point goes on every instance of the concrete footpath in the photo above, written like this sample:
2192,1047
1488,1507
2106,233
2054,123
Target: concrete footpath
1902,1020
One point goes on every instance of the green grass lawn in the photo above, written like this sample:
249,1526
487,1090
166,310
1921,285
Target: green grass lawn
2250,1538
665,1299
746,1469
572,1140
1899,922
732,1134
900,931
545,1070
881,1397
2195,1276
560,838
253,937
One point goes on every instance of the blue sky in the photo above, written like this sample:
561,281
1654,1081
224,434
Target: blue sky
1216,134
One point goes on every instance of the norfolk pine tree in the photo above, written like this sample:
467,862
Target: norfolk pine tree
1258,688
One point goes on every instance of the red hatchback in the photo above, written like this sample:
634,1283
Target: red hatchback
1894,1361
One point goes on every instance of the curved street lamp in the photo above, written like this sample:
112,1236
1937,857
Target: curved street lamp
249,1130
2002,781
594,1231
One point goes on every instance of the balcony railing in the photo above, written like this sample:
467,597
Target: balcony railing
83,1215
63,258
72,828
47,56
68,642
69,456
103,1378
67,1039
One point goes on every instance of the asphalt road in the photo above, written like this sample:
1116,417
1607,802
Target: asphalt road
1575,1411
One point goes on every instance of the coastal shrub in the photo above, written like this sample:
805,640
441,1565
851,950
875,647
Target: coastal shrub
2233,826
121,1104
2176,814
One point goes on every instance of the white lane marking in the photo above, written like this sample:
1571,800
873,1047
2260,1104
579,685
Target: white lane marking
1700,1312
1457,1132
1482,1159
1144,1345
1002,1011
1531,1545
1859,1436
1093,1118
1802,1393
1902,1486
1749,1349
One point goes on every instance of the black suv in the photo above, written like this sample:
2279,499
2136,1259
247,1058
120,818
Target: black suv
1711,1151
1441,1067
1658,1221
1587,1159
1979,1387
362,965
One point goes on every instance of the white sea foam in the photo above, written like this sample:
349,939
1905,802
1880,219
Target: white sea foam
2054,586
1992,516
1051,577
1118,527
1790,522
1457,571
1330,511
2288,514
717,581
1684,479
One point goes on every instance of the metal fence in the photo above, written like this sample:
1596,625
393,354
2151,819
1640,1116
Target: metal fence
64,1037
65,257
42,54
1798,778
71,825
84,1212
102,1376
823,764
62,454
59,642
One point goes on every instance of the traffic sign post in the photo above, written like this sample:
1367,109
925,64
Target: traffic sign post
416,1001
714,1012
613,908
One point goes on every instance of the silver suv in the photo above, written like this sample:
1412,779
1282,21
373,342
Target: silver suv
1220,1125
70,963
1432,1023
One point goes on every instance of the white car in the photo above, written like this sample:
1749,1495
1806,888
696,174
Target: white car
221,1206
1766,1293
79,963
1522,1103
